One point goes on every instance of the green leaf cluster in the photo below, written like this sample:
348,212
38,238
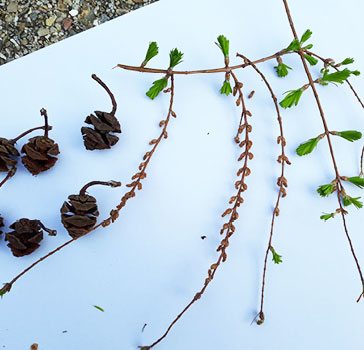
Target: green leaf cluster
347,61
226,88
327,216
347,200
337,77
223,44
357,181
152,52
276,257
308,146
175,57
292,98
157,87
282,69
325,190
350,135
311,60
296,45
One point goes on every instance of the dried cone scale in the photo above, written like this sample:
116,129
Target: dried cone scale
80,213
1,224
104,123
26,236
7,154
40,151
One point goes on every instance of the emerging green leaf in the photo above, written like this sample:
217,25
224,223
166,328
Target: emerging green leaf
337,77
308,146
327,216
99,308
282,70
276,257
152,52
357,181
347,61
5,289
157,87
355,72
347,200
311,60
175,57
223,44
226,88
294,46
308,47
325,190
292,98
306,35
350,135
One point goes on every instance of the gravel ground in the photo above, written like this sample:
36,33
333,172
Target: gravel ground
26,26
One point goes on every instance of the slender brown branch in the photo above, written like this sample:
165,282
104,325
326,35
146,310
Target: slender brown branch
28,132
103,183
325,61
43,112
113,101
8,176
340,188
281,182
114,213
202,71
229,226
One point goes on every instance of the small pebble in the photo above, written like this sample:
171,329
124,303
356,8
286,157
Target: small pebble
43,31
50,21
74,13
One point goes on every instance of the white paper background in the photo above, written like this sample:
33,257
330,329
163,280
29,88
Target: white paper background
148,265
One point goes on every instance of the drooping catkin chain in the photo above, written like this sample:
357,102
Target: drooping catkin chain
231,212
340,187
281,181
115,212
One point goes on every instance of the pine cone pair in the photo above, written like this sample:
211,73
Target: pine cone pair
40,154
26,236
79,214
104,123
7,154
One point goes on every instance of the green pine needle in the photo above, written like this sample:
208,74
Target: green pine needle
306,35
350,135
282,70
292,98
276,257
175,57
226,88
157,87
347,200
347,61
307,147
152,52
357,181
311,60
327,216
294,46
325,190
337,77
223,44
99,308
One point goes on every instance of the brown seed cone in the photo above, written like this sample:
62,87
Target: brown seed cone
7,152
100,137
38,154
79,214
1,224
25,238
